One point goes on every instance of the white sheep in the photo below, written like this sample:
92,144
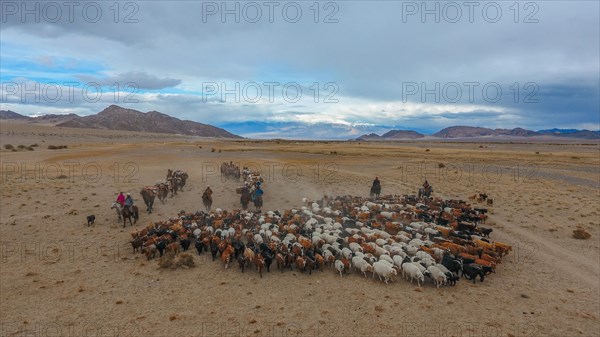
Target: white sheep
412,271
360,264
437,276
388,215
420,266
382,268
386,258
355,247
339,266
346,253
398,260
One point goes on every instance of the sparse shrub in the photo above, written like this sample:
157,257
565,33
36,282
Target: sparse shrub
166,261
14,150
35,145
213,150
426,150
441,165
56,147
21,147
169,260
29,148
581,234
9,146
185,259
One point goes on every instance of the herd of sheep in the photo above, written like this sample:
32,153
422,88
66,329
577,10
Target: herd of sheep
418,239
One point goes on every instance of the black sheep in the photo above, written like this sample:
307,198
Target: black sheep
185,244
471,271
214,249
199,246
161,246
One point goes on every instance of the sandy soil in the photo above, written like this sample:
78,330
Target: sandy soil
60,277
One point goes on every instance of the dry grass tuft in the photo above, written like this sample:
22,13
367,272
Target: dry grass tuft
581,234
183,260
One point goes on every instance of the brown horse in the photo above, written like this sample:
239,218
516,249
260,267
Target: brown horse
207,199
245,198
258,202
182,177
425,192
375,191
125,214
148,194
173,185
163,191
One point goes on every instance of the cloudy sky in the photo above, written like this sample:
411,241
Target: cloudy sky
306,69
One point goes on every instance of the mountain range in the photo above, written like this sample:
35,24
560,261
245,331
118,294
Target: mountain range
115,117
118,118
471,132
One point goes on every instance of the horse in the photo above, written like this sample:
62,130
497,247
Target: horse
207,200
163,191
258,202
117,207
425,192
245,198
375,191
173,185
148,194
125,214
182,177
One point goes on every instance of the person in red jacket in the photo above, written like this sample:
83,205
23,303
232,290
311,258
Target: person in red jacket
121,199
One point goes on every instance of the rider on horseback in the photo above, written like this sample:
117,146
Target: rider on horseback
121,199
376,187
376,182
258,192
129,202
426,185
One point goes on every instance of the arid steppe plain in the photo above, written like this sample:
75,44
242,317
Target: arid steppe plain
60,277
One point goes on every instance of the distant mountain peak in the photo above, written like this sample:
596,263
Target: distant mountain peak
8,114
115,117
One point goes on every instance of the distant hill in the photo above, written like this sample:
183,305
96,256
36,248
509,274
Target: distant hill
370,136
391,135
117,118
402,134
573,133
7,114
53,119
472,131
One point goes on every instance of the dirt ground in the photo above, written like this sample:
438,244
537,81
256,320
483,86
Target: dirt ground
61,278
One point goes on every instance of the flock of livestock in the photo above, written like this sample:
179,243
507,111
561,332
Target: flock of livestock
418,239
174,182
